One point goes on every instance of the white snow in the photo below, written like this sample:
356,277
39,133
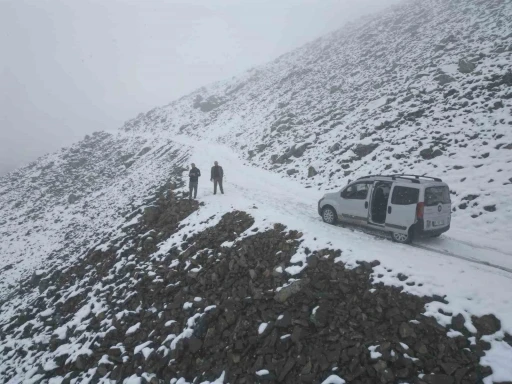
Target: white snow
262,328
499,359
262,372
373,353
333,379
140,347
47,313
133,329
452,333
377,103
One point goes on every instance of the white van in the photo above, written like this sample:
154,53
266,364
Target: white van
406,206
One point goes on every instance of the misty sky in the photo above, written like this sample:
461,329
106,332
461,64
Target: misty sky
71,67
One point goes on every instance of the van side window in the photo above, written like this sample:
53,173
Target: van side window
405,196
357,191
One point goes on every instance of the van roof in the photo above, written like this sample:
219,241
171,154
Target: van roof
417,179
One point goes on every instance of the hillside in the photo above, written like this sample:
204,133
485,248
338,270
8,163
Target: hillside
109,275
425,88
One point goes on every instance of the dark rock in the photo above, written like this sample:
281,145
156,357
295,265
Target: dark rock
208,105
291,172
487,324
7,267
466,66
72,199
296,334
319,316
387,376
335,147
429,153
284,320
312,171
444,79
290,290
449,368
286,369
80,362
363,150
194,344
406,331
490,208
438,379
458,323
312,261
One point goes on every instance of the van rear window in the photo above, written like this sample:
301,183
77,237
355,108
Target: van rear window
405,196
437,195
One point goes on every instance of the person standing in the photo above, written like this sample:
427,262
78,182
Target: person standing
194,179
216,177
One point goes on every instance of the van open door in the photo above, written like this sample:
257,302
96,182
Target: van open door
402,212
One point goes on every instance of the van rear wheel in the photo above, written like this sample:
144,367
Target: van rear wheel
402,238
329,215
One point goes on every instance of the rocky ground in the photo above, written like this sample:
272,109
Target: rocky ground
220,304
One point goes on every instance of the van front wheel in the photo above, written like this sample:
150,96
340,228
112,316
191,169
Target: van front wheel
329,215
402,238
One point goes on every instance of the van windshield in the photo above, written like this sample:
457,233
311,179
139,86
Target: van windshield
437,195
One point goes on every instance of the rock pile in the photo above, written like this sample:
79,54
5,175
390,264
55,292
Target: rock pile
221,301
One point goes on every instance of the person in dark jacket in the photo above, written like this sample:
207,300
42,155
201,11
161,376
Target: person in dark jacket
216,177
194,179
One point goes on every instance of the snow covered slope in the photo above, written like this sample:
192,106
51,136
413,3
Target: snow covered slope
59,206
422,88
79,320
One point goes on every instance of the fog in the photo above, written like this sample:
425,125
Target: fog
71,67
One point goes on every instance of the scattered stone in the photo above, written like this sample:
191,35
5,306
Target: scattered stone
406,331
444,79
312,171
429,153
486,325
363,150
72,199
490,208
439,379
290,290
466,66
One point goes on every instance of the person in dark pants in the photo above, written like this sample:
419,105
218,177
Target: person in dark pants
194,179
217,175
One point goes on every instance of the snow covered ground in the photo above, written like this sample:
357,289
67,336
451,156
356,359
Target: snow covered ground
430,94
470,288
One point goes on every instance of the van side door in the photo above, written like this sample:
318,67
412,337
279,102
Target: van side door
401,213
353,203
